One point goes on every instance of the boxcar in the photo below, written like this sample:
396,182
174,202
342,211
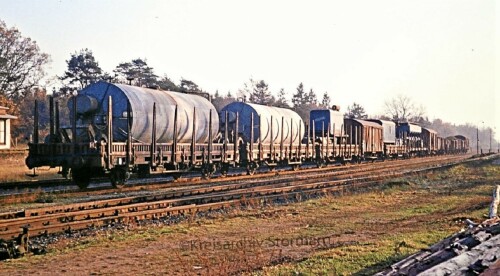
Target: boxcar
368,135
410,134
462,144
393,147
429,141
441,145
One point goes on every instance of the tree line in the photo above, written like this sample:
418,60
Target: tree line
22,69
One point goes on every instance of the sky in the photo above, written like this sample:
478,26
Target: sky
440,53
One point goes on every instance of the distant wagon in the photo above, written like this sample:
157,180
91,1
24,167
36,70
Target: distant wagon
429,141
393,147
326,120
457,144
411,135
369,135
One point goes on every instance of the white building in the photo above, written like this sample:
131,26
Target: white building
5,128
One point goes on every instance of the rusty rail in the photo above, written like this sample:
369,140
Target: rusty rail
91,214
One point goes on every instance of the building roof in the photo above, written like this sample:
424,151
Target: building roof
7,116
4,115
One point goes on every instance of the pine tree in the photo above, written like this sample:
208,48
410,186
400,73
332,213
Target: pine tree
299,98
189,86
355,111
137,72
281,101
82,70
311,97
261,94
304,102
166,84
325,102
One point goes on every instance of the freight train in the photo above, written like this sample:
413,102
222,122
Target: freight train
118,129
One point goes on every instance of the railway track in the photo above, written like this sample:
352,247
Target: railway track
188,201
226,183
31,189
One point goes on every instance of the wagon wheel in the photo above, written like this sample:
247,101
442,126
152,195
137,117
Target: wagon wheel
295,167
251,168
354,160
119,177
66,172
176,176
224,170
207,171
320,163
143,171
80,177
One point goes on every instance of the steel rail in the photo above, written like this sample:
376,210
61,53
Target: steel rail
82,218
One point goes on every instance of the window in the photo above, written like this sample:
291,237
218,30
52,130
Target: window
3,132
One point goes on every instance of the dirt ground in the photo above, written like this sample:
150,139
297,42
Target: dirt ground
13,168
355,233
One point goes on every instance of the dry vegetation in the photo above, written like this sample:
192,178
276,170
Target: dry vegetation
13,168
349,234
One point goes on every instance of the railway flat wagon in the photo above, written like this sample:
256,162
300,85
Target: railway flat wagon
267,135
331,137
117,129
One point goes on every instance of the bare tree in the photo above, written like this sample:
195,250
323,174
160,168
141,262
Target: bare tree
21,62
402,108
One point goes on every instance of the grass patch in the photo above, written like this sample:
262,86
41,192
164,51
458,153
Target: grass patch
14,169
362,259
418,212
45,198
